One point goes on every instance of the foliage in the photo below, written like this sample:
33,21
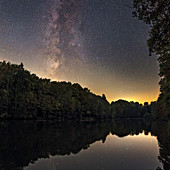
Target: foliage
24,95
156,14
125,109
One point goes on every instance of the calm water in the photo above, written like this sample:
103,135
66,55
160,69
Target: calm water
108,145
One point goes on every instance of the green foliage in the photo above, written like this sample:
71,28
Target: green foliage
156,14
125,109
24,95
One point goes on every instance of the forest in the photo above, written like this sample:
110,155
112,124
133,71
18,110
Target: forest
25,96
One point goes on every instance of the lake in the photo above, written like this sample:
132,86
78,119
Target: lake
95,145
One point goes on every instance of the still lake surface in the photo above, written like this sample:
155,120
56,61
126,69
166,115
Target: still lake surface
96,145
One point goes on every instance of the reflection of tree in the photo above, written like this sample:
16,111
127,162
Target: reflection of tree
163,157
162,131
128,127
24,142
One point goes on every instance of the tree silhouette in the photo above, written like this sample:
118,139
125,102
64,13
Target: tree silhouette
156,14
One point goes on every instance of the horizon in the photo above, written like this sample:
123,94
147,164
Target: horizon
110,101
97,45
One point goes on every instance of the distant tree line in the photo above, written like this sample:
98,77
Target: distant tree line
25,96
125,109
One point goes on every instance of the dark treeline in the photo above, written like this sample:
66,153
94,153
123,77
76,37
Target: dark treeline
25,96
26,142
125,109
155,13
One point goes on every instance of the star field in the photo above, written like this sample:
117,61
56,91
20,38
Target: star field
97,44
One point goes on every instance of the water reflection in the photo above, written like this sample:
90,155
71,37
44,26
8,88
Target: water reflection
84,145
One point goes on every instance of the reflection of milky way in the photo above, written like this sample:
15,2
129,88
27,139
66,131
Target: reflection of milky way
63,38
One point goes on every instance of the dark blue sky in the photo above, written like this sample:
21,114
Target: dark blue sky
95,43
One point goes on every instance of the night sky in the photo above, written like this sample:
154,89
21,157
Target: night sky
96,43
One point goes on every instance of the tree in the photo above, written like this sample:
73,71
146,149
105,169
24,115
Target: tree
25,96
103,96
156,14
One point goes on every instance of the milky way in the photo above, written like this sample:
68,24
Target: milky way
62,36
96,43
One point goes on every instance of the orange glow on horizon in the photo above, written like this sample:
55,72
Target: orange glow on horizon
146,97
140,101
113,91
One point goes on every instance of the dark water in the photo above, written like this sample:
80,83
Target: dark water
107,145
